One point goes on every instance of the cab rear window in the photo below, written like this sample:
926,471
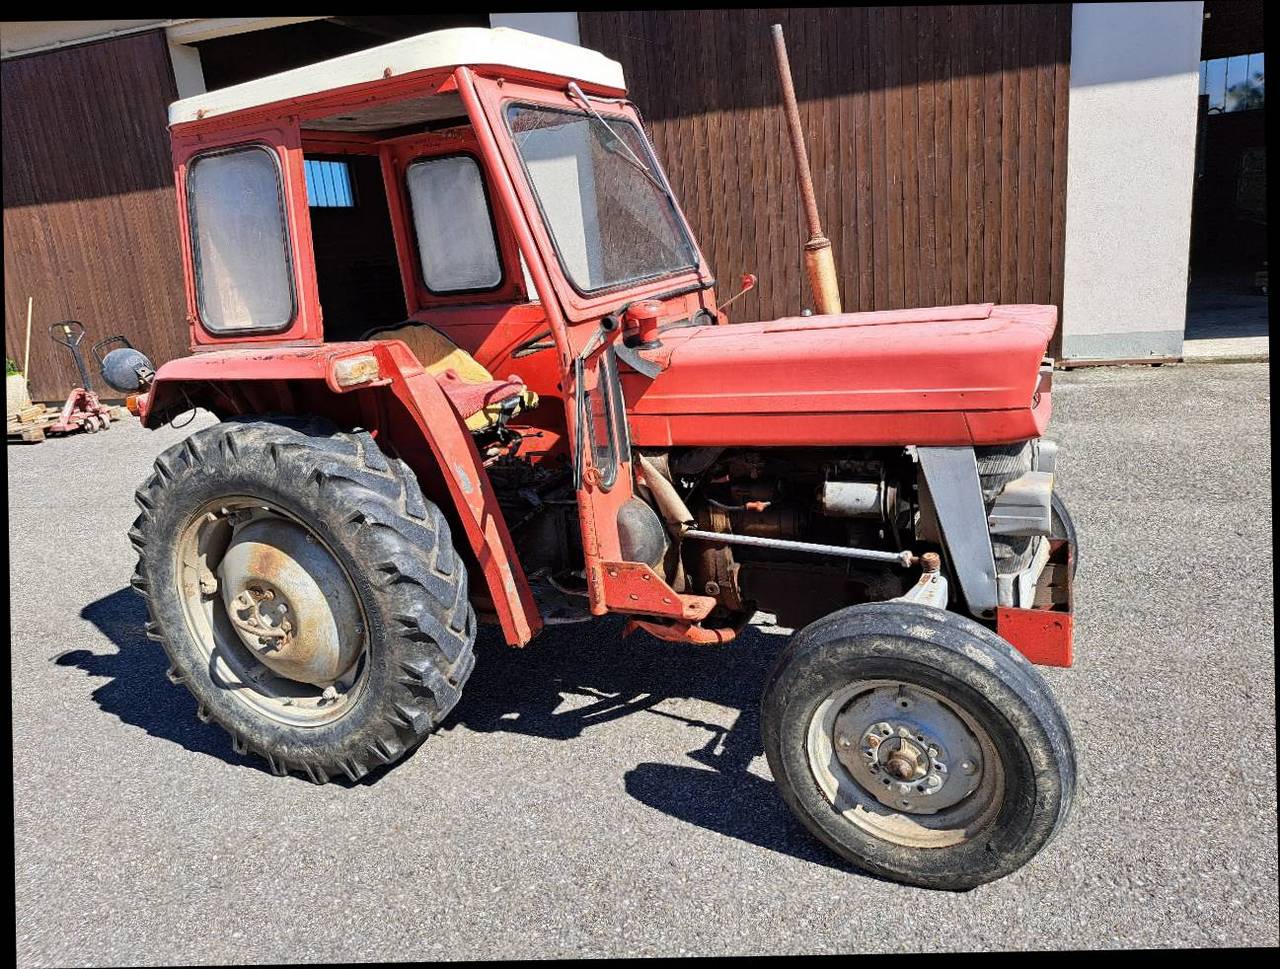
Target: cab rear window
457,247
240,241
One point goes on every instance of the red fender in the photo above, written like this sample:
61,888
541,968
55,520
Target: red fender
198,378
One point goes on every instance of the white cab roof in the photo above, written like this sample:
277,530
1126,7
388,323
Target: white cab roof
500,46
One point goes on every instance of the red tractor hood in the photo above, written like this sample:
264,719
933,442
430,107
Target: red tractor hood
945,375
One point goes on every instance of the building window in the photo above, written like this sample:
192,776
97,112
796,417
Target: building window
453,225
240,241
328,184
1233,83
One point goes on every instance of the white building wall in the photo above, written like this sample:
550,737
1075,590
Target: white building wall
1130,174
557,26
187,70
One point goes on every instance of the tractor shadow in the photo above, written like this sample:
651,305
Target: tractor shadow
138,692
570,679
136,688
573,678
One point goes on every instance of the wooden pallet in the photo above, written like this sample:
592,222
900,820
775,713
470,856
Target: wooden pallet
28,426
28,413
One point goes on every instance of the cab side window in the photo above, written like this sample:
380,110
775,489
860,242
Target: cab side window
453,224
240,241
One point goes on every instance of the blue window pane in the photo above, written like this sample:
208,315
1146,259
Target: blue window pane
1216,83
1237,81
328,184
1233,83
1257,76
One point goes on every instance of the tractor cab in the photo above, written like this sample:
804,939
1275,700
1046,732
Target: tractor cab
483,196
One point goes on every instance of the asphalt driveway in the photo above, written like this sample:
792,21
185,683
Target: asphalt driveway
595,796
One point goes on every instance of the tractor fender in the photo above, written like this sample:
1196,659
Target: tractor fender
316,380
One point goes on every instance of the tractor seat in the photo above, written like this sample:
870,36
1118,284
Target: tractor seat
480,400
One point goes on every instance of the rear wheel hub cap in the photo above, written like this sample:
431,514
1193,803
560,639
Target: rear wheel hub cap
290,602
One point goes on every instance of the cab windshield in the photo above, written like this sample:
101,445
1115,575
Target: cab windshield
601,197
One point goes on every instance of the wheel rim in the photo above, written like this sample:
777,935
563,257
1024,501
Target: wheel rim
273,612
905,764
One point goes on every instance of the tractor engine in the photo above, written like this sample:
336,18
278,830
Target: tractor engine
863,498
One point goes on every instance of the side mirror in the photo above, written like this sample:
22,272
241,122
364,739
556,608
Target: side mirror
125,369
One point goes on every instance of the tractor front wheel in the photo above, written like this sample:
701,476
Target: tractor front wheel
918,745
1065,528
305,592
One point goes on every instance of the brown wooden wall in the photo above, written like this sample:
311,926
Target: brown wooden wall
937,138
90,227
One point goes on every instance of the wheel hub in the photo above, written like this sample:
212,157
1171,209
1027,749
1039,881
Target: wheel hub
899,744
289,601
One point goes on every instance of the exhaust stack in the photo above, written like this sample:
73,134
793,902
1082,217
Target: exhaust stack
818,261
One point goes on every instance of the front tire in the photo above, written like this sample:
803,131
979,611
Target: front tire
918,745
305,592
1064,528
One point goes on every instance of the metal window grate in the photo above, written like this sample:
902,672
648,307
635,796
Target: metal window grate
1233,83
328,184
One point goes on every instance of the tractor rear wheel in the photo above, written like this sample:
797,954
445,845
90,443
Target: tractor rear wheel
305,592
918,745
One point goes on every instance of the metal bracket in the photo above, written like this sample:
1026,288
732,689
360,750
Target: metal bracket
930,590
952,476
1023,506
631,357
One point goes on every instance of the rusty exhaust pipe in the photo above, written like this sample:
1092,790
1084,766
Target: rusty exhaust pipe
819,263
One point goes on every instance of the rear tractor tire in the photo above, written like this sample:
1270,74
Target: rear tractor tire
918,745
305,592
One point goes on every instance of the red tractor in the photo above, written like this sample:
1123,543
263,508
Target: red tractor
469,367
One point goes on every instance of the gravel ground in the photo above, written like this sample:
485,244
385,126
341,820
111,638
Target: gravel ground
591,796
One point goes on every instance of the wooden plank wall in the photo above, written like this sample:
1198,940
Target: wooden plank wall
90,226
937,138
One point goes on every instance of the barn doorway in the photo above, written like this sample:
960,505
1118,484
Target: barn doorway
1227,285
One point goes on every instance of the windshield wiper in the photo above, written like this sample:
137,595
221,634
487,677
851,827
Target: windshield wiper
631,156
